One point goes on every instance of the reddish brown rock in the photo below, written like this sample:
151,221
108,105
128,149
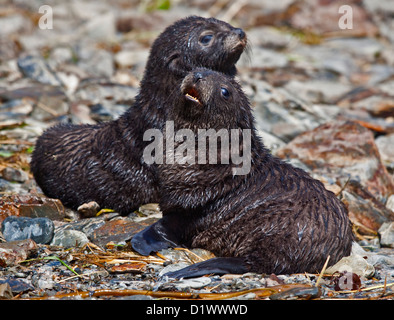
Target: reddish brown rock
367,213
16,251
343,149
31,206
307,15
119,230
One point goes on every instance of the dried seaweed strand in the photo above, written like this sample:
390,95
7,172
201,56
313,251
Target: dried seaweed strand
259,292
322,271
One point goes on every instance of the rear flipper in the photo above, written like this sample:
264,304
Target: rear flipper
212,266
153,238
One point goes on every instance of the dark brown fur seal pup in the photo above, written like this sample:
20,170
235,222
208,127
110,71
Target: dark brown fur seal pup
274,219
103,163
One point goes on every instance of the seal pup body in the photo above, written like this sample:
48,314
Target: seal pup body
273,219
103,163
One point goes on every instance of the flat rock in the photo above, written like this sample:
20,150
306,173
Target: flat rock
317,91
17,285
280,112
31,206
307,15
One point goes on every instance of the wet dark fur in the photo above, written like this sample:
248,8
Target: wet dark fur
103,162
276,219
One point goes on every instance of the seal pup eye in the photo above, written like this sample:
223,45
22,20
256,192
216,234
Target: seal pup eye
225,93
205,40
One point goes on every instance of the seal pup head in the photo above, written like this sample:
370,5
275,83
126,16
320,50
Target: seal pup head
195,42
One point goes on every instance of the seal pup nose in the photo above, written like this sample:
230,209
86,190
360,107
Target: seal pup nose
198,76
240,33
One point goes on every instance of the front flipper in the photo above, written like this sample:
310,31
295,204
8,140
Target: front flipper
212,266
153,238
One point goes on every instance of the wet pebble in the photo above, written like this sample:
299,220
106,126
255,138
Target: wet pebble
40,230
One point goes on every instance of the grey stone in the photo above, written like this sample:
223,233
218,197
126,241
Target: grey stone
36,68
353,263
317,91
69,238
12,174
20,228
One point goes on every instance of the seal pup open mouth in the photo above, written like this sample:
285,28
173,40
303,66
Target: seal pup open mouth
192,95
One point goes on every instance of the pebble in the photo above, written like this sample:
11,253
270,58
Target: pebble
36,68
14,252
5,291
27,205
40,230
69,239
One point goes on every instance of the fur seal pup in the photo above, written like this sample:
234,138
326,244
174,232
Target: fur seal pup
103,162
273,218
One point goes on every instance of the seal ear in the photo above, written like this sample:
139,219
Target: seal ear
175,63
